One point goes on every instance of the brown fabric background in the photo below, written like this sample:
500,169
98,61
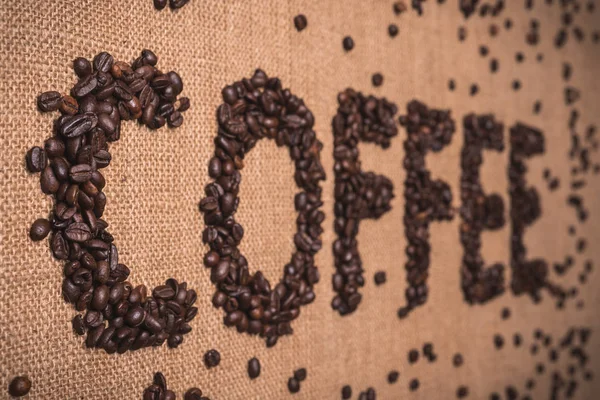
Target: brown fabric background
156,181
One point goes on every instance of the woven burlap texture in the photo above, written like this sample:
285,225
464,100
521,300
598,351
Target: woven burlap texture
156,180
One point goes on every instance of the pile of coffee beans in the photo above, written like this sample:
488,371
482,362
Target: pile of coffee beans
174,4
253,109
294,382
426,200
118,316
528,276
19,386
358,194
478,210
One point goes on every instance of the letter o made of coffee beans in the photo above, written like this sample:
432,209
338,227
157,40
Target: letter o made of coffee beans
116,315
254,109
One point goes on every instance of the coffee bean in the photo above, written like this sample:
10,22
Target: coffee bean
193,394
462,33
39,229
483,51
393,377
462,392
474,89
498,341
517,340
19,386
413,356
494,65
414,384
399,7
300,374
160,4
48,182
457,360
253,368
49,101
175,4
377,79
348,43
393,30
293,385
346,392
78,324
212,358
380,278
300,22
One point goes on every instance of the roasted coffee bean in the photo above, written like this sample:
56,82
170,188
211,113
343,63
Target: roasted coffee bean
253,368
300,374
82,67
293,385
380,278
498,341
399,7
49,101
300,22
457,360
414,384
346,392
36,159
175,4
462,392
193,394
40,229
413,356
348,43
19,386
393,30
377,79
393,377
212,358
78,324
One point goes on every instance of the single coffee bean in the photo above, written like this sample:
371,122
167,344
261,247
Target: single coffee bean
49,101
346,392
498,341
300,22
414,384
399,7
36,159
348,43
300,374
39,229
253,368
212,358
462,392
377,79
193,394
393,30
69,105
393,377
78,324
82,67
48,181
457,360
19,386
413,356
293,385
380,278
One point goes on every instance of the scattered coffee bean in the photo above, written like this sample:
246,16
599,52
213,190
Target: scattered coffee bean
457,360
19,386
414,384
348,43
399,7
393,30
377,79
300,22
300,374
516,85
413,356
253,368
474,89
451,85
505,313
498,341
212,358
174,4
462,392
393,377
40,229
293,385
380,278
517,340
462,33
346,392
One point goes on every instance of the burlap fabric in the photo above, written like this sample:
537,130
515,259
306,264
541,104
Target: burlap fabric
156,180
